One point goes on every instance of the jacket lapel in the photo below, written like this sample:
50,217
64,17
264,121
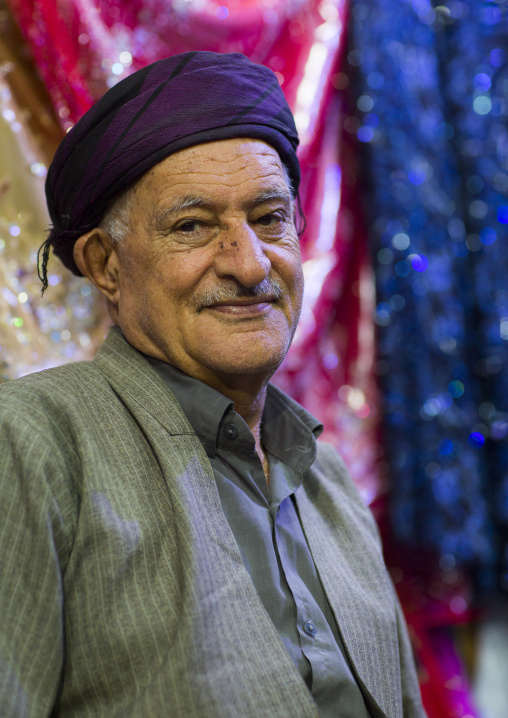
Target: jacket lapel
343,541
132,376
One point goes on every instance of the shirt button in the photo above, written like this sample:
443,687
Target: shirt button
230,431
310,628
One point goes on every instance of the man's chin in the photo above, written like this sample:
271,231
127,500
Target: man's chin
265,367
262,362
258,351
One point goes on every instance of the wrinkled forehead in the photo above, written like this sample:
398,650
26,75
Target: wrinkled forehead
219,165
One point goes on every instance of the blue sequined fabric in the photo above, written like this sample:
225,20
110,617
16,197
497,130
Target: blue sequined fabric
431,98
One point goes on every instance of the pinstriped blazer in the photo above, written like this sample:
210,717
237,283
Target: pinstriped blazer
122,589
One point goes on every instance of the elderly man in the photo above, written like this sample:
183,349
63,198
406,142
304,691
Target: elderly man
174,541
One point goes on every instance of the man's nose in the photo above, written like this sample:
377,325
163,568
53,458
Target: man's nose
240,254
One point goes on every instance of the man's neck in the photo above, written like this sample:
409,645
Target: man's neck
248,395
250,409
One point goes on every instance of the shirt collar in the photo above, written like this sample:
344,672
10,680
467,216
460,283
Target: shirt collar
203,406
288,431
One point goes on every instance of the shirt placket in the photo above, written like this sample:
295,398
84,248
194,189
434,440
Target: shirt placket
310,626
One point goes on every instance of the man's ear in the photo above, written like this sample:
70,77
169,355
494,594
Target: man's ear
97,258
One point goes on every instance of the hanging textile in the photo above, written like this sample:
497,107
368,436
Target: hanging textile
432,116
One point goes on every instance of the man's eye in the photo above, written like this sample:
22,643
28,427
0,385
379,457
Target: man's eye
189,226
268,220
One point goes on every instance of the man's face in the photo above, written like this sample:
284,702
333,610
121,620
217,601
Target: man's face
210,275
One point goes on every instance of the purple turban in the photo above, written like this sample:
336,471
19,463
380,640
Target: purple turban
173,104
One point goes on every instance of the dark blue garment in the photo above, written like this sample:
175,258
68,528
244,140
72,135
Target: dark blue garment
430,88
267,528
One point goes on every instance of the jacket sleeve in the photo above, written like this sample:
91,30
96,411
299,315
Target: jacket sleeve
31,554
353,515
411,697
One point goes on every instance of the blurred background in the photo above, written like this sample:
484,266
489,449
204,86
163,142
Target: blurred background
401,107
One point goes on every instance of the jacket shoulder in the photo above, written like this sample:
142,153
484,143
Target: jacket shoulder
331,474
331,464
60,388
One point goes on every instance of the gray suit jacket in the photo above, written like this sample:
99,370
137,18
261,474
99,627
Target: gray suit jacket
122,590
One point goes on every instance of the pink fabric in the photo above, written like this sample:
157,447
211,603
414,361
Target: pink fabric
79,45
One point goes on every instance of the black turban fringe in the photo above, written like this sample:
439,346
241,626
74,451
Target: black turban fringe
173,104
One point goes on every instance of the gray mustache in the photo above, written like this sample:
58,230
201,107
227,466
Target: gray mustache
227,292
